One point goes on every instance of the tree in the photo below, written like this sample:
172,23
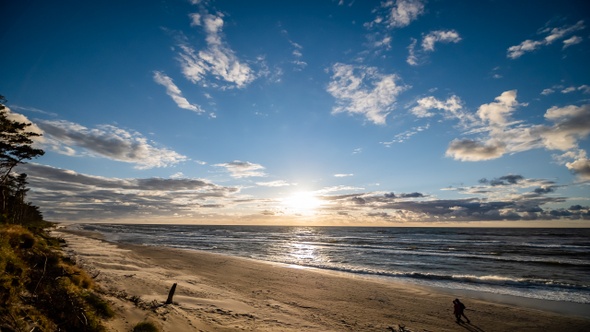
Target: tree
15,143
16,146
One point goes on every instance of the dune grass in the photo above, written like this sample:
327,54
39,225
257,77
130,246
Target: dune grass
40,289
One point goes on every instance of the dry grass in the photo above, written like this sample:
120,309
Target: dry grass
41,289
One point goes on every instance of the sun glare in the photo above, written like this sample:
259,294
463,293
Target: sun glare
304,203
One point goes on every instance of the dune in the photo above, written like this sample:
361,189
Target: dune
222,293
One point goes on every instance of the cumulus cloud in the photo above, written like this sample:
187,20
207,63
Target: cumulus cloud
217,59
399,13
571,124
470,150
174,92
450,107
365,91
500,134
107,141
552,35
497,113
243,169
580,167
439,36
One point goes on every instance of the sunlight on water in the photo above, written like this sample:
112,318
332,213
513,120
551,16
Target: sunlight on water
302,252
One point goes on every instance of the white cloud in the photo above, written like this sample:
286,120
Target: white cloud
571,124
401,13
101,198
439,36
572,41
553,34
342,175
452,108
218,59
496,113
428,42
471,150
500,134
243,169
580,167
32,128
412,58
174,92
109,142
584,88
195,19
364,90
406,135
422,110
277,183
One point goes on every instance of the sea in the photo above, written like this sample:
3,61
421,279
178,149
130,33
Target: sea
532,263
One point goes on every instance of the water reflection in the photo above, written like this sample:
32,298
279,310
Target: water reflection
302,247
302,252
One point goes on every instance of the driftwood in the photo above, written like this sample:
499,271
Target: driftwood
171,294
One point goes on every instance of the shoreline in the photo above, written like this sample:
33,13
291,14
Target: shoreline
220,293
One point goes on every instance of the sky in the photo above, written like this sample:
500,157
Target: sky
323,112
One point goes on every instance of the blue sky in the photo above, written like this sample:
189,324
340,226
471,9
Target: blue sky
304,112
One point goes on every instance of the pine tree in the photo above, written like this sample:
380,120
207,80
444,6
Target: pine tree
16,146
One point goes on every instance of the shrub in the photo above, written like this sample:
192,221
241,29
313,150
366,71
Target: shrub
145,327
42,290
100,306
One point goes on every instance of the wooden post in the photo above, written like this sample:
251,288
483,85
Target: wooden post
171,294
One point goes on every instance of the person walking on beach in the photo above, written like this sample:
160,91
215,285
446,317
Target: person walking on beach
458,310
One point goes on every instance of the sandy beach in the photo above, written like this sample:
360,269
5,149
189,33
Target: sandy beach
221,293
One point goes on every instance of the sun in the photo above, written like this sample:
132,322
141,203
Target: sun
303,203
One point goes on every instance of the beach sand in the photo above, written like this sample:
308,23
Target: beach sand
222,293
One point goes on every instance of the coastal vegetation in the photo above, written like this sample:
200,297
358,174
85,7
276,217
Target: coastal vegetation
40,288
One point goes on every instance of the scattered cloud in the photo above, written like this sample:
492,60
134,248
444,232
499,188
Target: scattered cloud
217,59
500,134
174,92
406,135
107,141
243,169
343,175
101,198
412,57
31,109
277,183
552,35
510,197
439,36
32,128
296,52
364,90
572,41
397,13
416,56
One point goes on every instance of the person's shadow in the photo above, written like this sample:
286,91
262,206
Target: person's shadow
470,327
